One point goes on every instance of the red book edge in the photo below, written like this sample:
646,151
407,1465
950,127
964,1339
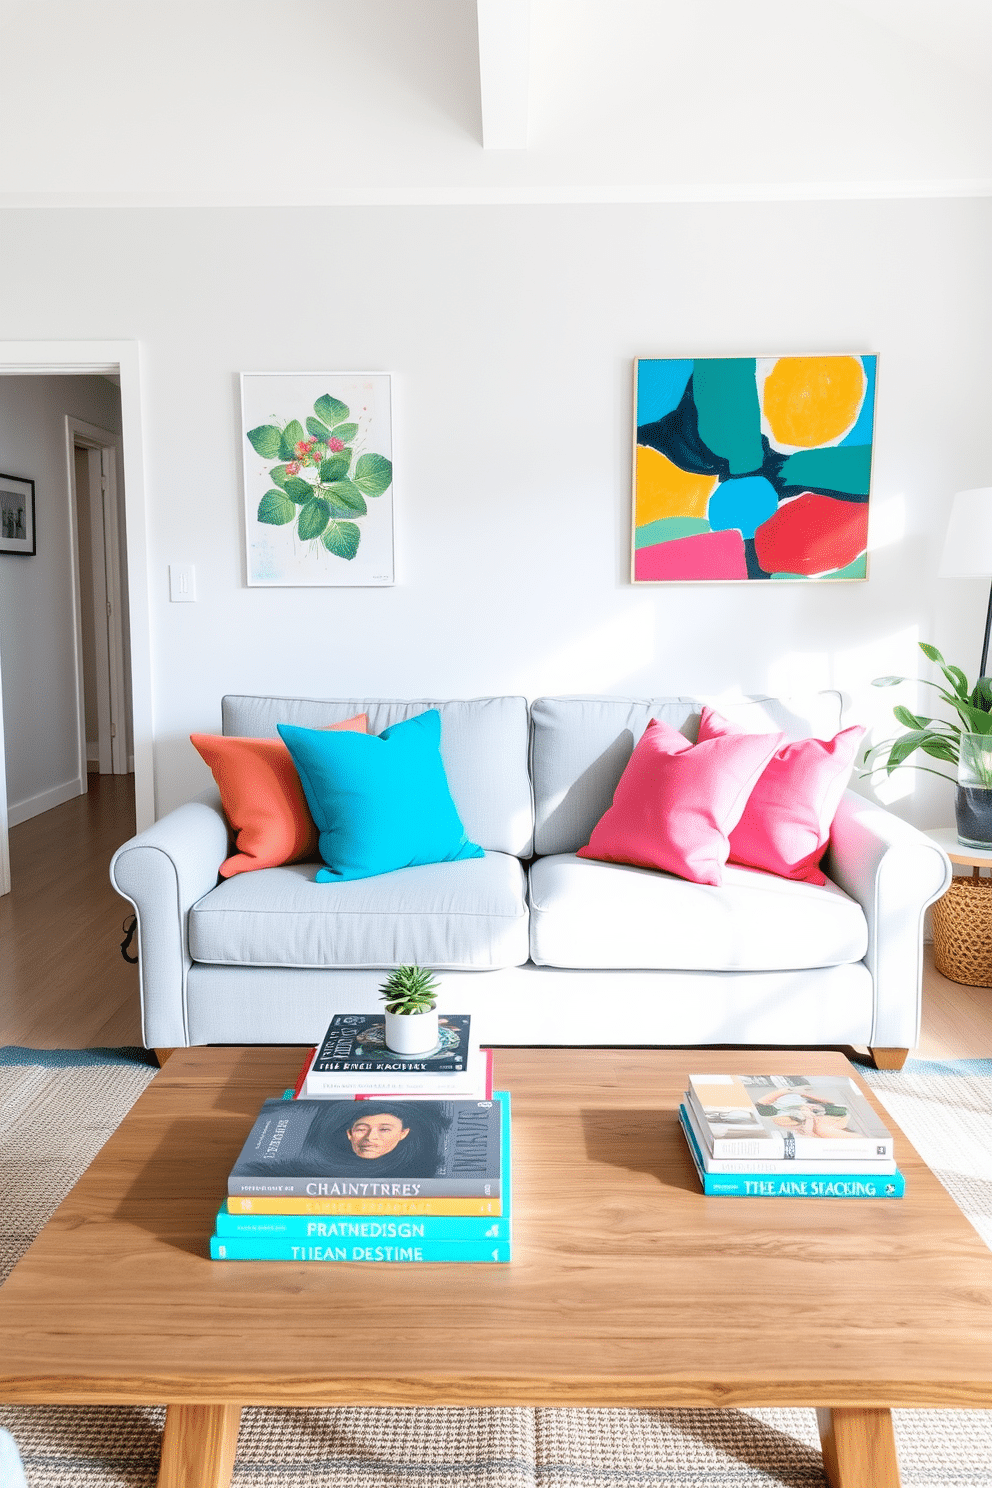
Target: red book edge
311,1055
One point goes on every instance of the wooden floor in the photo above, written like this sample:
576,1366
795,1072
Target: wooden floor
64,983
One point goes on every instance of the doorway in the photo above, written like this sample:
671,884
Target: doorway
116,359
103,686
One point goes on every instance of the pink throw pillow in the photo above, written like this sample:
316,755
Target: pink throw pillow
785,825
677,802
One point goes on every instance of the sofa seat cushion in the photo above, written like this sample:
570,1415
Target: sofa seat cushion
469,915
608,915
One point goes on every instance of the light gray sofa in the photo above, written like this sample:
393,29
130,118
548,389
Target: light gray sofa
540,946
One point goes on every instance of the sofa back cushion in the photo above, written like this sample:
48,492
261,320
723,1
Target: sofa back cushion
580,747
483,749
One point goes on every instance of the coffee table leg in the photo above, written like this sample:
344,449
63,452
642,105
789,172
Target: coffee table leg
859,1448
198,1446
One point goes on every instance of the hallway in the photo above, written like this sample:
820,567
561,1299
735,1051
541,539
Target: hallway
63,981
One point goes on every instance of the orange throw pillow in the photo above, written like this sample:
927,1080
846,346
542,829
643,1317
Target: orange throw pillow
263,799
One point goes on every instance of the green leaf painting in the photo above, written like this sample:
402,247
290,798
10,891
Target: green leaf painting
300,491
321,473
276,509
342,538
336,468
314,518
373,474
292,438
331,410
265,441
344,494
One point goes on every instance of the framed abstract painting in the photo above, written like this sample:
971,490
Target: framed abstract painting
752,468
317,449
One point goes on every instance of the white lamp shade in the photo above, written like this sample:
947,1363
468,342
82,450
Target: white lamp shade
968,544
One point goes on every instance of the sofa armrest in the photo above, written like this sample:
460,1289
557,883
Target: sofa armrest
894,872
163,871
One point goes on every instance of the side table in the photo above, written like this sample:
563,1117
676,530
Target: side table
962,919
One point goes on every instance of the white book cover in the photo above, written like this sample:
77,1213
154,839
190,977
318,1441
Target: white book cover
790,1117
471,1082
818,1166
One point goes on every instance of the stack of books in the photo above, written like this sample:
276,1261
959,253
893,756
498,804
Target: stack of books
384,1179
795,1136
353,1061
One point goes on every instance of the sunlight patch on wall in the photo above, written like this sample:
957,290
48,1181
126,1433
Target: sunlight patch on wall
599,659
799,672
888,522
855,668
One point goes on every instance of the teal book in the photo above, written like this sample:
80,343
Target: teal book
380,1229
239,1248
797,1185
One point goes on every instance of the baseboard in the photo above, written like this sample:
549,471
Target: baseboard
22,811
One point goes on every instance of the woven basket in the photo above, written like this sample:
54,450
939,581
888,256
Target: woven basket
962,932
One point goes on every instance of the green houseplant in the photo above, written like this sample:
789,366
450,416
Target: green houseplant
410,995
965,743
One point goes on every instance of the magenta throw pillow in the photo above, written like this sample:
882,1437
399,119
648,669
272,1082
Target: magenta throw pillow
785,825
677,803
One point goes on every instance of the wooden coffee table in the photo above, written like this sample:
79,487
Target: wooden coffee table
628,1287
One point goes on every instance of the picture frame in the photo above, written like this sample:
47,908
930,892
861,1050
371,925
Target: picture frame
318,479
17,526
749,469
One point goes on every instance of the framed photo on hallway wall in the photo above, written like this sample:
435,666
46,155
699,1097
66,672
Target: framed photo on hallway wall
17,515
318,474
749,469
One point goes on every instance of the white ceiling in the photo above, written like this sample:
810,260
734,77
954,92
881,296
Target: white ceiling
294,102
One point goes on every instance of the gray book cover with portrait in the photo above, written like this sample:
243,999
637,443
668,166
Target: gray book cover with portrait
371,1149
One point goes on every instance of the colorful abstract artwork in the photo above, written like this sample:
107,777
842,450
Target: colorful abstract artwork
749,468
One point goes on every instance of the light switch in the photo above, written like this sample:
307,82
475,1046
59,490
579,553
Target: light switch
182,582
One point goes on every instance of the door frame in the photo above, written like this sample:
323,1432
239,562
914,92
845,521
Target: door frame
100,446
108,358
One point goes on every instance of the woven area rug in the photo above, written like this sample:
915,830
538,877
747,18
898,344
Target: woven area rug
57,1109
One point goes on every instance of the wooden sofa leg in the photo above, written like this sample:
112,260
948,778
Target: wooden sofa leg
162,1055
889,1059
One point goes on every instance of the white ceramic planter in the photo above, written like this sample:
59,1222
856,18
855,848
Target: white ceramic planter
411,1033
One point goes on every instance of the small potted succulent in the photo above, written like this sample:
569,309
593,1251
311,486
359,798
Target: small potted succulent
410,995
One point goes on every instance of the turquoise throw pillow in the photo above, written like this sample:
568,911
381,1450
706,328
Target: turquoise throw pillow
380,801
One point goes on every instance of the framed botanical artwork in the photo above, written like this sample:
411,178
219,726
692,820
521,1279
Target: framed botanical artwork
749,469
318,476
17,515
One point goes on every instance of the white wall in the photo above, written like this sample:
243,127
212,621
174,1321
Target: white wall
37,633
510,332
324,101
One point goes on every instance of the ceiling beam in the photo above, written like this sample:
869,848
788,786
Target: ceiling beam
504,72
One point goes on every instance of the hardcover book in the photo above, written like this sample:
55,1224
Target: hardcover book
789,1117
383,1226
474,1083
876,1167
793,1185
377,1149
228,1248
393,1208
366,1229
356,1043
